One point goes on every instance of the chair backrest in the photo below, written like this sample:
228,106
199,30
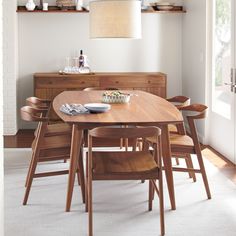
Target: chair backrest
179,101
38,102
195,111
199,111
99,88
129,133
29,113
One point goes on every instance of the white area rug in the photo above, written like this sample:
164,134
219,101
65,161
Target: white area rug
120,208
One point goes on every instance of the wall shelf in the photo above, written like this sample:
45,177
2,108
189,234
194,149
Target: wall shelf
51,9
55,9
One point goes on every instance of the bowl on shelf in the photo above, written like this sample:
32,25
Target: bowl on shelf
162,6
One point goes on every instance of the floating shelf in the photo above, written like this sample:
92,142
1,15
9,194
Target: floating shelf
55,9
176,9
51,9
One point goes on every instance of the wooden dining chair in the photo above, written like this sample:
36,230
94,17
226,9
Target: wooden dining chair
178,101
52,128
181,101
186,145
183,145
46,148
126,165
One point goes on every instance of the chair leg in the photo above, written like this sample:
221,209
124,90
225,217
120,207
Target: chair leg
188,166
90,207
203,172
139,144
193,175
126,144
30,166
153,192
150,196
161,204
30,177
121,143
86,186
78,177
134,146
177,161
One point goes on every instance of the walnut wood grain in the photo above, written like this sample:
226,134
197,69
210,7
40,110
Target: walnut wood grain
81,81
183,145
144,109
49,85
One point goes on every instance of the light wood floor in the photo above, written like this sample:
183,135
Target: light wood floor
24,138
224,165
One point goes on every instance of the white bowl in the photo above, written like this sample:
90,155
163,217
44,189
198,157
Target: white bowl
97,107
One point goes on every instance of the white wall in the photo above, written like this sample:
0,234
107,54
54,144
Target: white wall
1,132
46,39
10,66
194,54
52,2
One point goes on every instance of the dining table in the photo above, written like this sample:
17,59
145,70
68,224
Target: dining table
143,109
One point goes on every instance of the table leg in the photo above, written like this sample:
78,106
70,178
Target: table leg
81,174
76,142
166,153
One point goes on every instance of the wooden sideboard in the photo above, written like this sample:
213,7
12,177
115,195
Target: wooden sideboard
49,85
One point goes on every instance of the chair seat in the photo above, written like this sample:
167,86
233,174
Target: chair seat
181,144
181,140
178,141
118,163
51,142
172,128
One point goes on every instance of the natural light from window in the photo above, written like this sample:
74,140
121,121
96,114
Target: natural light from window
221,97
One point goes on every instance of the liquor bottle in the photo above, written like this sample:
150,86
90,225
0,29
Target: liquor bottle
81,59
40,6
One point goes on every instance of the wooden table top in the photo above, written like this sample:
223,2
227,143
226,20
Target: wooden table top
143,108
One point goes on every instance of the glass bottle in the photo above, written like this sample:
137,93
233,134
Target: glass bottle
81,59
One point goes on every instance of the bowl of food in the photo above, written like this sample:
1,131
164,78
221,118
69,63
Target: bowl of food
115,97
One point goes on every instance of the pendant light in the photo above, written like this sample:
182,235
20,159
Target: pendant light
115,19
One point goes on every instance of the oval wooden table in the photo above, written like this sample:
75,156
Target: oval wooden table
144,109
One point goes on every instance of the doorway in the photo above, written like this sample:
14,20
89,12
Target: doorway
223,78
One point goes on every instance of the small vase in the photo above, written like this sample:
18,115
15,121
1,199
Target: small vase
30,6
